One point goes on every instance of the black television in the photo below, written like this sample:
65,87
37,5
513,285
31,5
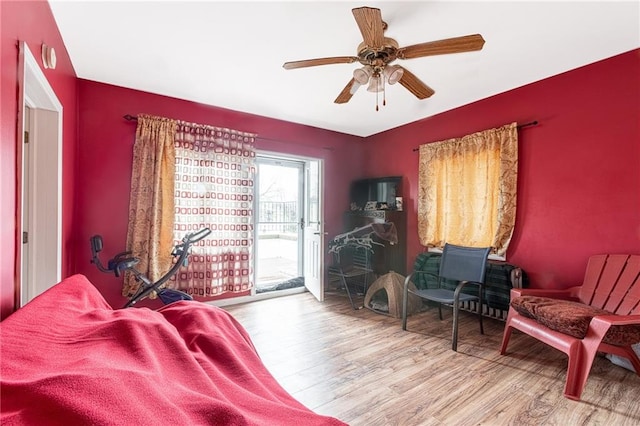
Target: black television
382,191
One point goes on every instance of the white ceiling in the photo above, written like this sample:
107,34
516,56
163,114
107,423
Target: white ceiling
230,54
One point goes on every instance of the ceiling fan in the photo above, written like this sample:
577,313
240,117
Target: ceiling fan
377,52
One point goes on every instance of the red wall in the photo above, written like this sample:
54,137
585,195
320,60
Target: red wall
579,182
105,155
579,168
32,22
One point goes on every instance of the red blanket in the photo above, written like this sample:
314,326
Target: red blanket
68,358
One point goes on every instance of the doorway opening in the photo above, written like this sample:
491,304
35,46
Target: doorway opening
278,230
287,213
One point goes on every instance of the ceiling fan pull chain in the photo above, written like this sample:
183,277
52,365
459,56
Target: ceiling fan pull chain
384,92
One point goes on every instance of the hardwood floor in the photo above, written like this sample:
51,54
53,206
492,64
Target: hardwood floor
360,367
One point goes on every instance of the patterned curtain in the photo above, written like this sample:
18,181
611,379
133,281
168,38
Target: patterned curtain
467,190
151,201
214,178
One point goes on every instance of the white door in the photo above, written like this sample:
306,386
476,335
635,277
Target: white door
314,230
41,192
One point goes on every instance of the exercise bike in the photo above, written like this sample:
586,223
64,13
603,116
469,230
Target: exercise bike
124,262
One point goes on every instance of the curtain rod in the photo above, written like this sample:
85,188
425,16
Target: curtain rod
130,117
264,138
520,126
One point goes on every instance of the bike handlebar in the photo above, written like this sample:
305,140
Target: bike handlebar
196,236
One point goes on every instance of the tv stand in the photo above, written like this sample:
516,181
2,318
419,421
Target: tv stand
391,257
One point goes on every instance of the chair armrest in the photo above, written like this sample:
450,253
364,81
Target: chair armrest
565,294
600,325
613,319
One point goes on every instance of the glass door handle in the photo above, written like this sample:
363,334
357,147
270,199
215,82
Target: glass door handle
320,233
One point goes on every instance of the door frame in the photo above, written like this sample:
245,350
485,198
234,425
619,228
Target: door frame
267,295
45,193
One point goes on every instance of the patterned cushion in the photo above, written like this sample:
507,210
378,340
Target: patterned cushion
572,318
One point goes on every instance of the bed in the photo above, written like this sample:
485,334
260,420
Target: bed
68,357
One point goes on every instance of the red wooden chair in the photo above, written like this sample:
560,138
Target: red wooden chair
602,315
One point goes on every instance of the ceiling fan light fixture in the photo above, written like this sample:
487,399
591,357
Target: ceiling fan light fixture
375,84
362,75
393,73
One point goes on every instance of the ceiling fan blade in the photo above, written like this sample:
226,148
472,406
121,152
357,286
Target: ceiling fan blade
415,86
347,92
442,47
319,61
369,20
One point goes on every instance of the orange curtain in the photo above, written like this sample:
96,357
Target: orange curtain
151,202
468,190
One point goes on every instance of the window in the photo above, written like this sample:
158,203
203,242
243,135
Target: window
467,190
